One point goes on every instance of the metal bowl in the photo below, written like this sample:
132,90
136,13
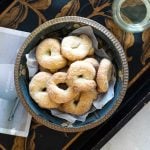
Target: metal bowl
55,27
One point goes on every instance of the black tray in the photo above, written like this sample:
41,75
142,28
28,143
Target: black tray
136,97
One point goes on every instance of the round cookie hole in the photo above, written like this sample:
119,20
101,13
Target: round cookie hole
44,89
80,76
76,102
63,86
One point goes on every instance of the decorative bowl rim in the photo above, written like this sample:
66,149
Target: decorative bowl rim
109,35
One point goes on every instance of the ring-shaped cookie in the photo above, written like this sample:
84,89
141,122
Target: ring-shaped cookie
104,75
80,104
48,55
81,76
76,47
38,90
60,94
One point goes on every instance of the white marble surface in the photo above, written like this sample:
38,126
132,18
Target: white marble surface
135,135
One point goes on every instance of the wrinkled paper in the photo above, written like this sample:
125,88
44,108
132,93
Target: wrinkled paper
102,98
20,123
32,63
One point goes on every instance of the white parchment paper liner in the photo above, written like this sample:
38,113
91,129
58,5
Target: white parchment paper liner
102,98
32,63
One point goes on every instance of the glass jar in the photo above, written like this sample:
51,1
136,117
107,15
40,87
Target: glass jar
132,15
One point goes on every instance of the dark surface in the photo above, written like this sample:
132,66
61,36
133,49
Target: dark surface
4,4
34,12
